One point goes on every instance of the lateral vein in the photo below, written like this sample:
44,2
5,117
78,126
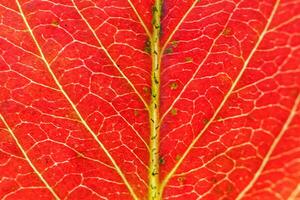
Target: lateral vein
171,173
178,25
109,56
295,193
196,72
140,19
73,105
28,159
271,150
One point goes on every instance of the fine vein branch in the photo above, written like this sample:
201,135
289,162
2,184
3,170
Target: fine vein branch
28,159
218,109
84,123
154,187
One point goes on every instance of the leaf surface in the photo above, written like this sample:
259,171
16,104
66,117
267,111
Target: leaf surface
149,100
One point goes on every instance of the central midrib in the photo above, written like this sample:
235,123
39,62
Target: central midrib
153,174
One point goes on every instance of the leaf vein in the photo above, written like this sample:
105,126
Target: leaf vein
109,56
177,26
271,150
171,173
295,193
73,105
28,159
197,70
140,18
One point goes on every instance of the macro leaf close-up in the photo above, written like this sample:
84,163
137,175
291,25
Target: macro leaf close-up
150,99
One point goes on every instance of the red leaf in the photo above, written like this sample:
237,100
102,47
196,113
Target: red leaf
149,100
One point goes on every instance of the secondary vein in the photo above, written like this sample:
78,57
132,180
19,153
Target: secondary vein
140,18
28,159
73,105
271,150
109,56
174,169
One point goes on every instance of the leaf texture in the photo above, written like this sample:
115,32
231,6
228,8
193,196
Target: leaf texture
127,99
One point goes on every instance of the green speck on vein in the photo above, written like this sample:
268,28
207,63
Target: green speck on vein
227,31
55,23
147,48
177,157
146,89
173,86
168,50
174,43
189,59
181,180
174,111
205,121
155,50
161,160
136,112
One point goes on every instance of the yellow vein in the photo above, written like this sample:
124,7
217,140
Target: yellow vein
18,47
291,20
295,193
177,26
108,54
271,150
131,126
197,70
153,173
140,19
74,107
128,123
28,159
170,174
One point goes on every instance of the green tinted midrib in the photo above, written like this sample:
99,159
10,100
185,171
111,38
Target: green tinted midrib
154,118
